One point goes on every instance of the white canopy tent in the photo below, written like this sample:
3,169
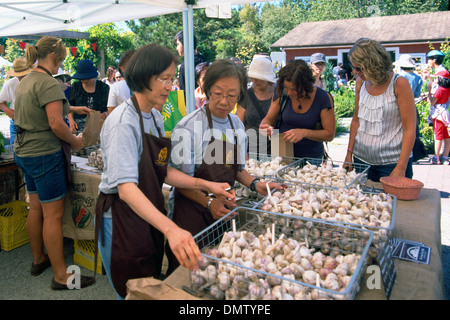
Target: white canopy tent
21,17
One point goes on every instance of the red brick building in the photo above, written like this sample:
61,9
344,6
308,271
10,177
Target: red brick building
411,34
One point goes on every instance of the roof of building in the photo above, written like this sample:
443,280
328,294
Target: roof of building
420,27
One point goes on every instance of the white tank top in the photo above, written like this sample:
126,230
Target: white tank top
379,137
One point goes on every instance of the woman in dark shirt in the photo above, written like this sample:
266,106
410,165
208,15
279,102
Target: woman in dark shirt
307,119
89,92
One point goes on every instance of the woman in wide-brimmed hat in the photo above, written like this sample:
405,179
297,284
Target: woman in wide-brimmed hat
89,92
258,101
18,72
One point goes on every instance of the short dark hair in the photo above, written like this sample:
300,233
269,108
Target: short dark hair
299,73
439,59
179,36
226,68
150,60
199,68
125,57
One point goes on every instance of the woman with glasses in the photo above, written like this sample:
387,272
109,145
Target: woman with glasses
383,128
210,143
130,212
307,119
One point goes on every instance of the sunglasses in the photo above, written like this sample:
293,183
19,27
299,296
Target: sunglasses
355,68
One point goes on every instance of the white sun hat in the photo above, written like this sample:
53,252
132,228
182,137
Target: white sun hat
405,61
262,69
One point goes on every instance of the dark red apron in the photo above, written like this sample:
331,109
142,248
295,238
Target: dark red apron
190,215
137,247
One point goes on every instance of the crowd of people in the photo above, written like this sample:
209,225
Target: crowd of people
236,112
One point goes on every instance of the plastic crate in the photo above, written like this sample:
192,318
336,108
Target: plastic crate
13,225
255,281
84,255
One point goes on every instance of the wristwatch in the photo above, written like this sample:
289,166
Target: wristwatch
253,184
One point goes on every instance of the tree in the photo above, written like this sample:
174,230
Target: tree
110,40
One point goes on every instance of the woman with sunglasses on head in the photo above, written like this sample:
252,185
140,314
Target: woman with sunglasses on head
130,210
307,119
40,107
211,143
383,128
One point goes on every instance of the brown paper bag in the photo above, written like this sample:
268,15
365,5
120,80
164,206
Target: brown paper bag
154,289
281,147
92,128
79,206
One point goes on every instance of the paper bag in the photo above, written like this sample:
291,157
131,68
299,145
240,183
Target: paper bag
92,128
79,208
280,147
154,289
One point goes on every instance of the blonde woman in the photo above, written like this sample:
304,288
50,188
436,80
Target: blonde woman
383,128
39,116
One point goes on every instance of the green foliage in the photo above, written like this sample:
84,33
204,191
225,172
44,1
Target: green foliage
344,102
426,131
109,39
2,143
13,50
330,80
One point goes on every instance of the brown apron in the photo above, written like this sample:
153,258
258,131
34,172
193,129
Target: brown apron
190,215
137,247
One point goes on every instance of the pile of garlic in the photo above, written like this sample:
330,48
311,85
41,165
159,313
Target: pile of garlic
284,257
373,211
95,159
323,175
260,168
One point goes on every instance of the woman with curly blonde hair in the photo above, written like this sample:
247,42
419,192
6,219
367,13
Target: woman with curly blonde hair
382,131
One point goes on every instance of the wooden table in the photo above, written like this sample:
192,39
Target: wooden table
417,220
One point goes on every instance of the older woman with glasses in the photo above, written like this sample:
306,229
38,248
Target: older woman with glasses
210,143
136,153
383,128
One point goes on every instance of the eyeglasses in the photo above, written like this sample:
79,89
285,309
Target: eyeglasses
219,96
166,83
355,68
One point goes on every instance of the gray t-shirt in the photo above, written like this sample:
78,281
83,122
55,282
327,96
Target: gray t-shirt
191,136
121,144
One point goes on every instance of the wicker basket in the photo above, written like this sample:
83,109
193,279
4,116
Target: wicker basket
401,187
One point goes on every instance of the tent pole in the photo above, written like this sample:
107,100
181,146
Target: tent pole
188,43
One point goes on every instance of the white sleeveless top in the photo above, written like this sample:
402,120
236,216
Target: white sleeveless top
379,137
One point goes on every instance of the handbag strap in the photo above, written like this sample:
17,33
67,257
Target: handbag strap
283,101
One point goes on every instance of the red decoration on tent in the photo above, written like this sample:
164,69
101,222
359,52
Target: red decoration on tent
74,51
22,45
94,46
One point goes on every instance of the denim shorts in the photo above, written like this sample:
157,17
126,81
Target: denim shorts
44,175
377,171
